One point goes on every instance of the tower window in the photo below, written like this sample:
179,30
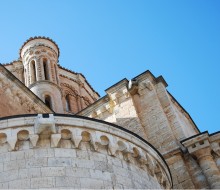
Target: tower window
68,108
45,65
33,71
48,101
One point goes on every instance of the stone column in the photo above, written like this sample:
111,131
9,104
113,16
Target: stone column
208,167
200,147
198,178
216,148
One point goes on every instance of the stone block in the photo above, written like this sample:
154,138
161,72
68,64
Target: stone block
5,157
88,183
52,171
29,154
34,172
61,152
36,162
81,154
124,181
47,152
4,185
103,166
98,174
44,182
1,167
23,173
17,155
59,162
187,184
115,161
108,185
21,183
14,165
83,163
68,182
77,172
120,171
8,175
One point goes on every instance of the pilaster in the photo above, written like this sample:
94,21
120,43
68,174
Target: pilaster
199,146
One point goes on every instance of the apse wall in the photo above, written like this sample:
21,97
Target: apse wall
60,151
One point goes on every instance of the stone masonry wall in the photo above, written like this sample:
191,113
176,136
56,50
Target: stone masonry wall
67,152
68,168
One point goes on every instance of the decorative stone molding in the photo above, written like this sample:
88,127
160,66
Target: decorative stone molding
197,143
114,139
40,37
70,89
76,81
143,85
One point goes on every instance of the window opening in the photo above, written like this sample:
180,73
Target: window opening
68,108
48,101
33,73
45,69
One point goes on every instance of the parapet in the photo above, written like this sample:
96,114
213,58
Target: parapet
56,150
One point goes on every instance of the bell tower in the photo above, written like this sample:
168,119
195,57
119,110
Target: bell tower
40,56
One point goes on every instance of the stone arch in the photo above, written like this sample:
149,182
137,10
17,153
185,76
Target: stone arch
23,135
68,104
3,138
71,100
48,100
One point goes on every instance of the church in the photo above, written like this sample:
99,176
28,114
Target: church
57,132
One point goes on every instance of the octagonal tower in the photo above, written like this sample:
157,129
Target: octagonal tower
40,56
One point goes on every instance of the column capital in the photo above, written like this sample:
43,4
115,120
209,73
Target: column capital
198,145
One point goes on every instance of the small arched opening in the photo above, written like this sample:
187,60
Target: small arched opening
68,106
48,101
45,65
33,71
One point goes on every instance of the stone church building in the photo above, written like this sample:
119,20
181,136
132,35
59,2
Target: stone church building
56,132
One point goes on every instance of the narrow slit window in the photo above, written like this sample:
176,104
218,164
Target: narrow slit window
48,101
68,108
45,69
33,71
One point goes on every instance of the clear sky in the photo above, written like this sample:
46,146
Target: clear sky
110,40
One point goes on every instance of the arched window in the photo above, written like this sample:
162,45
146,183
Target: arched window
45,65
33,71
68,108
48,101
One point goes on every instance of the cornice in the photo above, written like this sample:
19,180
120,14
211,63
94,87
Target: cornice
39,37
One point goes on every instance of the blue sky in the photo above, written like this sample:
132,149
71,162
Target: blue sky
110,40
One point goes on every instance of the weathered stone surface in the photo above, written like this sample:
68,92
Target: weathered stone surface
44,166
50,151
